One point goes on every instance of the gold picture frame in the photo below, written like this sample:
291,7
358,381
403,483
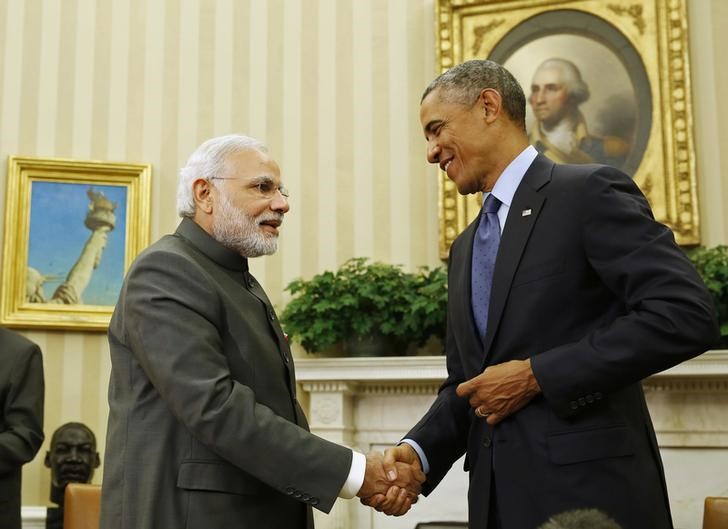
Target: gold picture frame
72,228
643,42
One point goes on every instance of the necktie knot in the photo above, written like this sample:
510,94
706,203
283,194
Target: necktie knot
491,204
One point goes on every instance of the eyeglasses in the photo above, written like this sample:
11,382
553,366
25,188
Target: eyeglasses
265,187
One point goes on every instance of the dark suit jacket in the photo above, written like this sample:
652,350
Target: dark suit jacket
204,427
21,418
599,296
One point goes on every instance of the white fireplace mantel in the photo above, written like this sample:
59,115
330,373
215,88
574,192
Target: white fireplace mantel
713,364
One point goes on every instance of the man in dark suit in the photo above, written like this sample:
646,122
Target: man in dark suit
205,431
588,296
21,418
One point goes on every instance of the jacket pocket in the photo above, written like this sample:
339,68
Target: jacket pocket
218,477
587,445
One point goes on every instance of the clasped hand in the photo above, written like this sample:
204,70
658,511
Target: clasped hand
501,390
392,482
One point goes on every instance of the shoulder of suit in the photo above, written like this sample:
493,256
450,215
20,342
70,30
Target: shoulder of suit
169,244
580,174
577,170
14,343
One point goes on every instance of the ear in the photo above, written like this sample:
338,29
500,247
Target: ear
97,461
202,195
47,460
490,102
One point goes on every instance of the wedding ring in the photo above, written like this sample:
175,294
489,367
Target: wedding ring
480,413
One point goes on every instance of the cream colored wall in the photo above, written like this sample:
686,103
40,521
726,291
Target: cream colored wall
708,25
331,85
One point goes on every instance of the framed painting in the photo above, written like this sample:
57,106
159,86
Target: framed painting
625,72
72,228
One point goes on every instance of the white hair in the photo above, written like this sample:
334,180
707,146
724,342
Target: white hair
207,162
570,75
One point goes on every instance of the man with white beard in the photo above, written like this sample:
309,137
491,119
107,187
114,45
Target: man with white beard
205,431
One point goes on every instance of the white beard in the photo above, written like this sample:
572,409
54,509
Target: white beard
240,232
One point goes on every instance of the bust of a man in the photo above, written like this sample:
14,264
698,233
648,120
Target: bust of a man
72,458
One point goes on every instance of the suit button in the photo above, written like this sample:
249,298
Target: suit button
574,405
297,495
582,402
306,498
590,398
598,395
314,501
487,442
290,491
271,314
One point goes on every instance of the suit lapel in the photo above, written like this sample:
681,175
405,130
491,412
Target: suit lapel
519,224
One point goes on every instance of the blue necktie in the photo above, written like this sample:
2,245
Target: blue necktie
485,249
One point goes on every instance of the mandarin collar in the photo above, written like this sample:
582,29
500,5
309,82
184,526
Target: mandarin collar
203,241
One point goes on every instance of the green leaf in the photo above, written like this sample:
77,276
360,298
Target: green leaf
362,298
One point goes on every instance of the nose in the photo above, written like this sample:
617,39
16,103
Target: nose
433,151
279,203
73,454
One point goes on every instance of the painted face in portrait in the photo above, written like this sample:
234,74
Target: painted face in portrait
549,97
72,457
458,140
250,204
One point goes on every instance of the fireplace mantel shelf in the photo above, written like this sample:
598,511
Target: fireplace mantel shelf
712,365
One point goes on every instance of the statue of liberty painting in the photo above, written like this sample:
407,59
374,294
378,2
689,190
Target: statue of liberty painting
100,219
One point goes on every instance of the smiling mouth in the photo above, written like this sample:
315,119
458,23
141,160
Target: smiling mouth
444,165
271,225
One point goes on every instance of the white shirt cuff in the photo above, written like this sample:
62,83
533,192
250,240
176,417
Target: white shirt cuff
356,476
420,454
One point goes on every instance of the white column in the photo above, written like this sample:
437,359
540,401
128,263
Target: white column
332,418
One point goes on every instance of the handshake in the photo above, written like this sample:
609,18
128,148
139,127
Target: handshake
392,482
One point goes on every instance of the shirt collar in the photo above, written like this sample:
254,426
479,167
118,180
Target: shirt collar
507,183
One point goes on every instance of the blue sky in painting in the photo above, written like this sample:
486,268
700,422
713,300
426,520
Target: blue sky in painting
58,235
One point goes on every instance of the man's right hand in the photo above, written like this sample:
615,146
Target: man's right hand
393,488
398,499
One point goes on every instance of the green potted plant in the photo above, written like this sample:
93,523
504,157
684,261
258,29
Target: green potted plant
712,265
367,308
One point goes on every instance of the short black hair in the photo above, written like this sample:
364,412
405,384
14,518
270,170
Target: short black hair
464,82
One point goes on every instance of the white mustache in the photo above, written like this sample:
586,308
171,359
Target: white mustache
265,217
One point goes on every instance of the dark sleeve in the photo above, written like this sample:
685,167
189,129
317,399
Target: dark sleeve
172,312
442,431
668,316
22,433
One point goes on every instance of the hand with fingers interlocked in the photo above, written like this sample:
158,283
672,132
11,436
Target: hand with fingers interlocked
398,500
392,484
